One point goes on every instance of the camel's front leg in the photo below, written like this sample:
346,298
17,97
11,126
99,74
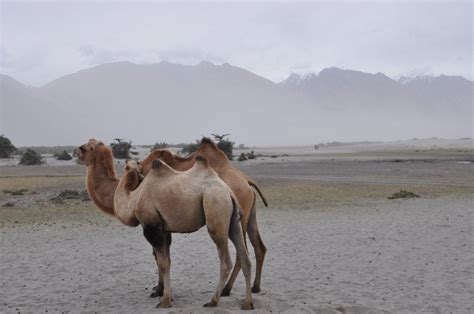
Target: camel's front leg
161,242
158,289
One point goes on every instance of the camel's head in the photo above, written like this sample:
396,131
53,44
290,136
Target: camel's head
162,154
132,175
86,153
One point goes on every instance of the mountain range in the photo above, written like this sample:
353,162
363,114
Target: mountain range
148,103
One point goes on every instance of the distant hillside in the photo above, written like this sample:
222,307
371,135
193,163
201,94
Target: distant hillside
178,103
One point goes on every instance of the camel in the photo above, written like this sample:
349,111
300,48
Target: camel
101,183
101,180
169,201
238,182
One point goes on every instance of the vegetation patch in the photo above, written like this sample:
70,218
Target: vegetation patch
8,204
70,195
15,192
121,149
31,157
64,155
6,147
403,194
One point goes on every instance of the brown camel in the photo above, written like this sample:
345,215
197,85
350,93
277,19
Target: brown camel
239,183
101,183
169,201
101,180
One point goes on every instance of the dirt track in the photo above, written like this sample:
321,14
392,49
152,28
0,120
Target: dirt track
335,243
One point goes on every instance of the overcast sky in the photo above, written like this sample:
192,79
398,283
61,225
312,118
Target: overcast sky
41,41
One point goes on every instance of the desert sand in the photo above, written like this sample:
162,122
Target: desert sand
336,244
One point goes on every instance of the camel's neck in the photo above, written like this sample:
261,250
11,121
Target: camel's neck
101,187
183,164
124,204
217,159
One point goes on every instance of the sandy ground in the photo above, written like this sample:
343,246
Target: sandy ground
336,244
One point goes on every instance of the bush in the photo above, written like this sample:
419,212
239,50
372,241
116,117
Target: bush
190,148
161,145
226,145
403,194
121,149
64,156
31,157
6,147
242,157
70,195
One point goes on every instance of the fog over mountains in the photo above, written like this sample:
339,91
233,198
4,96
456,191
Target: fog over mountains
179,103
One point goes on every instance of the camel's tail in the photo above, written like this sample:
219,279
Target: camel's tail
238,215
255,186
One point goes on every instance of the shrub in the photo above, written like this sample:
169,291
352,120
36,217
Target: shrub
403,194
70,195
31,157
226,145
160,145
190,148
121,149
6,147
242,157
64,156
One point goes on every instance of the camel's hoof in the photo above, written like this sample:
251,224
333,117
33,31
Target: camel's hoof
164,305
210,304
155,294
247,306
255,289
225,292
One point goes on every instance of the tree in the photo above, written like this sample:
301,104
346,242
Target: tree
226,145
6,147
121,149
31,157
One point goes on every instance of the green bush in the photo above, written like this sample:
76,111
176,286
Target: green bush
63,156
121,149
190,148
160,145
242,157
224,144
31,157
6,147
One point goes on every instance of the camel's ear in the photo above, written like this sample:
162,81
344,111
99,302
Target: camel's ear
156,164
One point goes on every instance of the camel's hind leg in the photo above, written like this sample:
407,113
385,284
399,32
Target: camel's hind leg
220,239
236,236
237,266
258,246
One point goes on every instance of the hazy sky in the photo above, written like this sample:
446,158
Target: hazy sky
40,41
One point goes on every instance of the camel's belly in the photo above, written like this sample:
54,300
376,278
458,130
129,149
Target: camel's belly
182,219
